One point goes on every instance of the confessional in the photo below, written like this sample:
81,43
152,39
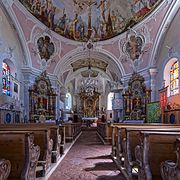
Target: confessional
42,99
135,98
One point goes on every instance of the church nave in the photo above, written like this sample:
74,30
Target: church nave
88,159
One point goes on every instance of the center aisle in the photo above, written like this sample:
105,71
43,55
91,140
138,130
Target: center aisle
88,159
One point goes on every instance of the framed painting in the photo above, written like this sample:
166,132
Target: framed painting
153,112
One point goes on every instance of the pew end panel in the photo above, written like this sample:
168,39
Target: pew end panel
155,147
18,147
5,168
170,170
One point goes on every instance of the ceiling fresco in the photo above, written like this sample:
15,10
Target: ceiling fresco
81,20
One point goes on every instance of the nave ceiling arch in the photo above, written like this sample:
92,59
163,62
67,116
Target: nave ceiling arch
108,51
79,65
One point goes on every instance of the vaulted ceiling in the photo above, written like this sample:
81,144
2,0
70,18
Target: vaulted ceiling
96,19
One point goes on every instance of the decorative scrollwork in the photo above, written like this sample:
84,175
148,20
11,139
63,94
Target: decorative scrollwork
5,168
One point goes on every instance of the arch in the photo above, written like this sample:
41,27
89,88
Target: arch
11,17
12,66
77,54
161,34
166,75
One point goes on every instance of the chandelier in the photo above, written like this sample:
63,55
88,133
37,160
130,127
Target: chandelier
89,85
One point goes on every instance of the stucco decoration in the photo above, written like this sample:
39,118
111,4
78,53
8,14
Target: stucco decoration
96,19
45,48
134,46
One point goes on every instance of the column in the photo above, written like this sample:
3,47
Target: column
26,98
153,72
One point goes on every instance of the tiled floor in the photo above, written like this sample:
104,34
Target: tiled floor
88,159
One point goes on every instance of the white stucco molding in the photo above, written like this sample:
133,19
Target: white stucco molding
36,33
76,73
8,6
78,53
170,14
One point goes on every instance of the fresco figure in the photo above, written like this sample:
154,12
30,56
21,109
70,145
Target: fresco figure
75,21
51,18
36,7
134,46
62,22
106,18
139,8
45,47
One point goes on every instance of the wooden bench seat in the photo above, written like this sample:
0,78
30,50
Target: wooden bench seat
43,140
170,170
131,140
154,148
72,130
118,134
104,130
18,147
5,168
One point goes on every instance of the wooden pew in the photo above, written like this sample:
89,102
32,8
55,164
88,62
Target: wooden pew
19,148
122,154
155,147
120,134
72,130
62,132
5,168
131,140
104,131
170,170
60,136
42,139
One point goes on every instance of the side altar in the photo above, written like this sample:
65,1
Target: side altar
135,98
42,99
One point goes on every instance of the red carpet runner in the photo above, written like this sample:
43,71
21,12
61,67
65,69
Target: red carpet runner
88,159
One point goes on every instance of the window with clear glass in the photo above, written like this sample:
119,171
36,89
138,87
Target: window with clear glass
6,73
109,100
68,101
174,79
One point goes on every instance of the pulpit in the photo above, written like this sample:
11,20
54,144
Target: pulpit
42,99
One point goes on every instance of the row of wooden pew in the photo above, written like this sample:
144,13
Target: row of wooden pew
104,131
31,148
147,151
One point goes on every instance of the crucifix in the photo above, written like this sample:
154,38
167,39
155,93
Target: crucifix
90,3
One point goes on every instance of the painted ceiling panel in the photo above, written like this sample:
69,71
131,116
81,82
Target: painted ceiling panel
86,63
81,20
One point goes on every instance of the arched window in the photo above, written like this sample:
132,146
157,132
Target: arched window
174,79
6,79
109,100
68,101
